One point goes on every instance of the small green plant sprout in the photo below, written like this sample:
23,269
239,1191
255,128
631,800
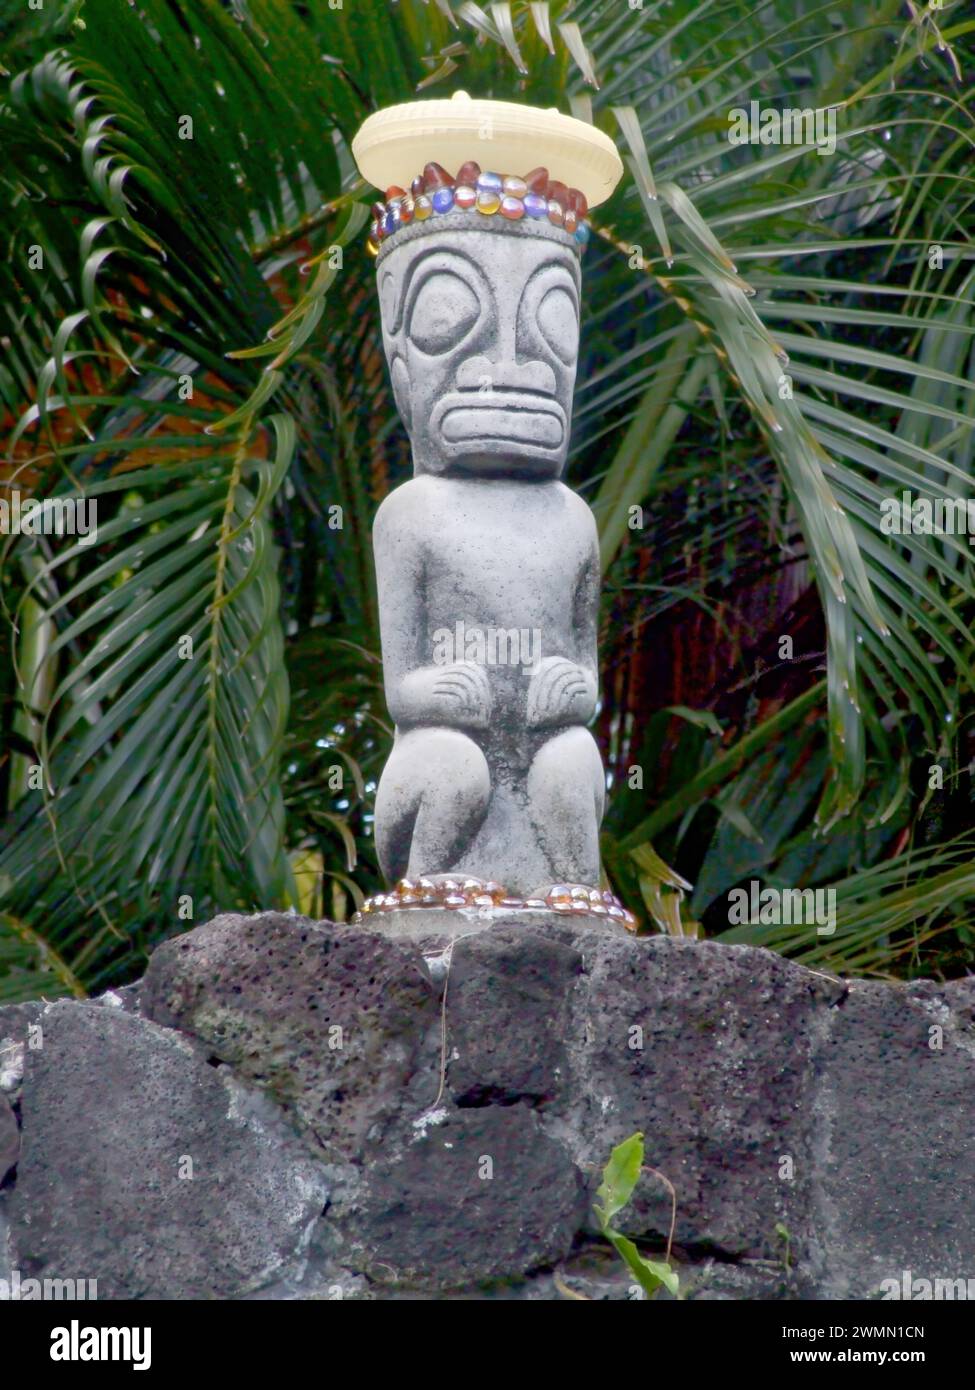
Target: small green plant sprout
620,1177
782,1231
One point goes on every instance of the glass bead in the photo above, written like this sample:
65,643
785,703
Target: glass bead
469,173
394,191
577,202
435,176
558,192
536,205
515,188
488,201
490,183
571,220
465,196
406,209
443,200
582,233
555,212
512,208
537,180
422,207
418,186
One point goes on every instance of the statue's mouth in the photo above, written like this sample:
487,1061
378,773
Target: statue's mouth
498,419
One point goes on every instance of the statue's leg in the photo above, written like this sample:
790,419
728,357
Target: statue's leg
566,792
432,797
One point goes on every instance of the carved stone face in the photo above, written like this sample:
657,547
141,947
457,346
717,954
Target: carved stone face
481,331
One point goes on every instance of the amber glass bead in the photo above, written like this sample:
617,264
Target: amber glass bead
577,202
436,176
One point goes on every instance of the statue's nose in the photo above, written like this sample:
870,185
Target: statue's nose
484,374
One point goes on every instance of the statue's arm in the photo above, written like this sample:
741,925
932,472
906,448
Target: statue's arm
418,692
565,688
586,608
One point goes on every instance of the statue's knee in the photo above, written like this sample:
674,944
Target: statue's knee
568,767
427,760
567,756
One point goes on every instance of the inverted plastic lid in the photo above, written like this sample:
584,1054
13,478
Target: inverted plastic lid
394,144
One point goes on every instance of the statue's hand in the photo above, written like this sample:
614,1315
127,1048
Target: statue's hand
458,695
463,688
560,692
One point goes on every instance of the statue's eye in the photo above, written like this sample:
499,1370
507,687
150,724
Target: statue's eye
444,312
559,323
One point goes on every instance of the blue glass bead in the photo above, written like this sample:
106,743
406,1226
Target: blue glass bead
582,233
489,183
443,200
391,222
535,205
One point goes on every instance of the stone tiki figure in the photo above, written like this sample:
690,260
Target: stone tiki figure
487,564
